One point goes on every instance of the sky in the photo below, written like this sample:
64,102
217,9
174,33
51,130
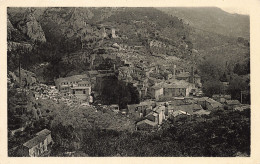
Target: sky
232,10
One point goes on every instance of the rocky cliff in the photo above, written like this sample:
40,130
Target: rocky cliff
25,22
146,33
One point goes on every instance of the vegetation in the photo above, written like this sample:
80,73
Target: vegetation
222,134
217,57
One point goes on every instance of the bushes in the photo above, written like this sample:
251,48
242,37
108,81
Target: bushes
224,134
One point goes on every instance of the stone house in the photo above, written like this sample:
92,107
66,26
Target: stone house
156,92
174,91
161,113
63,84
38,146
81,92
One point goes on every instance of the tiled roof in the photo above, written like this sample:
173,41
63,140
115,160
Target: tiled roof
152,113
40,137
44,132
179,112
156,87
186,108
93,72
146,121
71,78
159,109
201,112
84,82
186,75
232,102
78,87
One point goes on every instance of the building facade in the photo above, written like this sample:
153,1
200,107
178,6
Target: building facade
38,146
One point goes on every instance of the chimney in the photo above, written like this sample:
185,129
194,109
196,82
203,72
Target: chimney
174,71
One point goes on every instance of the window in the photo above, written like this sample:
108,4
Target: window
74,92
84,91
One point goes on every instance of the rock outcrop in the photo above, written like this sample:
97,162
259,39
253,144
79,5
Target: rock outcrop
25,22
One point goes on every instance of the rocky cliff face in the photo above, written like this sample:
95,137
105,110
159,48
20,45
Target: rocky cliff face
72,32
24,21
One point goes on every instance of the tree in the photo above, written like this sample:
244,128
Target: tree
237,84
212,87
223,78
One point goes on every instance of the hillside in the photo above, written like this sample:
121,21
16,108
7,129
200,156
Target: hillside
132,50
74,40
213,20
64,33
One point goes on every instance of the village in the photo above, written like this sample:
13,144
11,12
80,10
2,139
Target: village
106,80
176,96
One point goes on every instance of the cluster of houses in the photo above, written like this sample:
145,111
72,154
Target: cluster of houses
149,114
157,82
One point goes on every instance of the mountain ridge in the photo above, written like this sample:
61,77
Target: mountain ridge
213,19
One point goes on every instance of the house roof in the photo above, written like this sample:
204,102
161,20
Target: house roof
132,107
187,108
146,103
221,96
174,86
232,102
77,87
152,114
40,136
159,109
179,112
64,86
113,105
186,75
213,103
95,72
201,98
44,132
71,78
146,121
242,107
84,82
202,112
156,87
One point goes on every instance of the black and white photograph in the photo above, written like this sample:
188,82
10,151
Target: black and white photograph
128,82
